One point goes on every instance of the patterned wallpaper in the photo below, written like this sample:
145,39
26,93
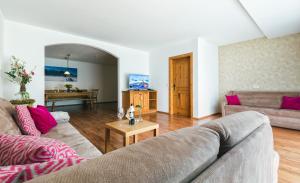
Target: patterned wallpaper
261,65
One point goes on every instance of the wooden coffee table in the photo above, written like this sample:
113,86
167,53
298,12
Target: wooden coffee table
123,128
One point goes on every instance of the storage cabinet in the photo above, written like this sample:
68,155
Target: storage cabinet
147,99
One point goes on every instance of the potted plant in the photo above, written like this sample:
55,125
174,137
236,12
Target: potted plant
18,74
68,86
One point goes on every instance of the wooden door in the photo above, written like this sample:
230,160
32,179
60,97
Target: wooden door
180,83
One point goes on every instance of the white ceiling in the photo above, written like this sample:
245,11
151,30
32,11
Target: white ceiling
80,53
275,17
144,24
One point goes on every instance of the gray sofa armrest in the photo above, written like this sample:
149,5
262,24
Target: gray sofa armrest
223,104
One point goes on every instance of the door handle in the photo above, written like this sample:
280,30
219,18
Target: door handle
174,86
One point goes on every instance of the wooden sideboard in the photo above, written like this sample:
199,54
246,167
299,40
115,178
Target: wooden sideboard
52,96
145,98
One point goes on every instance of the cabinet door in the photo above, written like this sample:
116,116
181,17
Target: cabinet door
136,99
145,101
141,98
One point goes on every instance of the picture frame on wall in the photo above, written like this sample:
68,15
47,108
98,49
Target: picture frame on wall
54,73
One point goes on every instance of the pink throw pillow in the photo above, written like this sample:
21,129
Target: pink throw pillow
25,121
42,107
233,100
24,149
290,103
43,120
21,173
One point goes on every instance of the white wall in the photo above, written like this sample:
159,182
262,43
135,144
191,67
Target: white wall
1,52
90,76
208,78
159,70
28,42
205,74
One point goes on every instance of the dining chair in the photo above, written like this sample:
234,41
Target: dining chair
94,97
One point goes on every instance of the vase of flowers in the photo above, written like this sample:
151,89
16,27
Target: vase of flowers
18,74
140,108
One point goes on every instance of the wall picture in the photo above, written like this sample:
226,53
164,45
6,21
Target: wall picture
53,73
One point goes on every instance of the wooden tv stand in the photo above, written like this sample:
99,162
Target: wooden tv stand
146,98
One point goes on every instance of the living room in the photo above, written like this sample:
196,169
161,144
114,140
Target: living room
199,73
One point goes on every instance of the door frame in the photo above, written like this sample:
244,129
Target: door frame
171,62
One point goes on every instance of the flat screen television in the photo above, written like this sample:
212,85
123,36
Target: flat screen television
139,82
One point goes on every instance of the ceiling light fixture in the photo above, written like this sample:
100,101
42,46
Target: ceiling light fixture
67,73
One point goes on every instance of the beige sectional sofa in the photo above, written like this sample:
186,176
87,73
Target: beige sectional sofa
234,149
64,132
268,103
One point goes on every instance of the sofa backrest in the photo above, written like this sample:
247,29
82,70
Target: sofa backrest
178,156
262,99
235,128
185,155
251,160
7,118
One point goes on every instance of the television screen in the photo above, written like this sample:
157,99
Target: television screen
139,82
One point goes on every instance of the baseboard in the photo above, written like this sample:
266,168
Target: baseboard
107,102
163,112
208,116
201,118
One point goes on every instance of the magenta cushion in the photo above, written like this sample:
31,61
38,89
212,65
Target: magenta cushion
233,100
25,149
43,120
290,103
21,173
42,107
25,121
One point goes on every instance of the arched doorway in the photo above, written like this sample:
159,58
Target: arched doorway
90,69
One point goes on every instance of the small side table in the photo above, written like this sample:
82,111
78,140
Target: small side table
123,128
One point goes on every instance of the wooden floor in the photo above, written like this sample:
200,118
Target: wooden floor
90,124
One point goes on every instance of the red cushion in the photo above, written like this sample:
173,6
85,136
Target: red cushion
21,173
25,121
290,103
25,149
233,100
43,120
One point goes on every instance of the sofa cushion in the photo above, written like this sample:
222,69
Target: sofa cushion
250,161
43,120
267,111
25,149
278,117
26,122
7,121
285,122
292,103
233,100
234,128
61,116
21,173
177,156
66,133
